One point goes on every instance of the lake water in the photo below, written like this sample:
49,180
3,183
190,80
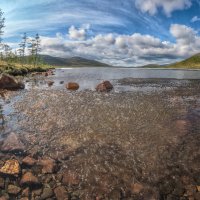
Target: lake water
146,131
88,78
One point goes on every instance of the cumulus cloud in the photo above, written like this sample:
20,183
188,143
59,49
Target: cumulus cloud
127,50
195,19
168,6
78,33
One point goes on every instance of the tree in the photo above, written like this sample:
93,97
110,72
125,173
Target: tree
32,49
37,48
2,25
22,49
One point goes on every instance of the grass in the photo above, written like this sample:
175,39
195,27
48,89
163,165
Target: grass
16,69
190,63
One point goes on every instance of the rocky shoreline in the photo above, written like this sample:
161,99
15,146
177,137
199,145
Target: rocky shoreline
91,145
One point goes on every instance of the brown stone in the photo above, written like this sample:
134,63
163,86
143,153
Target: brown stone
70,178
137,188
105,86
10,83
11,167
29,161
198,188
48,165
14,190
61,193
72,86
28,179
24,198
3,198
12,144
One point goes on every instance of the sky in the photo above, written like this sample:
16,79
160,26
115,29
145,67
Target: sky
117,32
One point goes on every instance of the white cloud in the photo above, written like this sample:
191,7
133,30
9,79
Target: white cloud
127,50
168,6
78,34
195,19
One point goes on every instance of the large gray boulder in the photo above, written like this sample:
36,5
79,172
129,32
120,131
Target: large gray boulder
10,83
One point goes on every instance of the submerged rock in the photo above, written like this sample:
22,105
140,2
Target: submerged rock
28,179
14,190
61,193
29,161
105,86
72,86
10,83
48,166
12,144
11,167
70,178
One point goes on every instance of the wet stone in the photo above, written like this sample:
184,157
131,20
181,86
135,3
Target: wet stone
105,86
72,86
11,167
28,179
14,190
61,193
12,144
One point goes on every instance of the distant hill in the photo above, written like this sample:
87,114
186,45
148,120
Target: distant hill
151,66
71,62
190,63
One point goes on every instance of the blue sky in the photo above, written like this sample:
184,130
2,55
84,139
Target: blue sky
119,32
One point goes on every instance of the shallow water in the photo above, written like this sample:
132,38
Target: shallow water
145,131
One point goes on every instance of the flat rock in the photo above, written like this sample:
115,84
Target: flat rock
12,144
48,165
10,167
72,86
14,190
28,179
29,161
105,86
10,83
61,193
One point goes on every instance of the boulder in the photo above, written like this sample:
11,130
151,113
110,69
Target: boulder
10,167
10,83
28,179
12,144
72,86
60,193
105,86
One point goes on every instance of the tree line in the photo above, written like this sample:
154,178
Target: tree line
28,51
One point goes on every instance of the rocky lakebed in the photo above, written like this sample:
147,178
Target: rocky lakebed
128,139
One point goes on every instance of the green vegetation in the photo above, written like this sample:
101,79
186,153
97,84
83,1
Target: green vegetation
25,59
190,63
